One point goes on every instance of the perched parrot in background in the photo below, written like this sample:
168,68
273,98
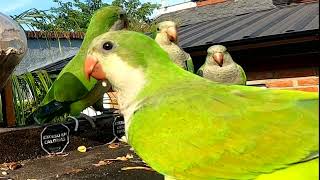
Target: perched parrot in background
166,37
69,92
220,67
188,127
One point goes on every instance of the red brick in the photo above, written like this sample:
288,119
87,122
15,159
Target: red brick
308,81
279,83
308,89
207,2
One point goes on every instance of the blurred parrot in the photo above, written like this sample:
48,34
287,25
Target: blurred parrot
166,37
69,92
220,67
188,127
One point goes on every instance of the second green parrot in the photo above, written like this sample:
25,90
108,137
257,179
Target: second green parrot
189,128
69,92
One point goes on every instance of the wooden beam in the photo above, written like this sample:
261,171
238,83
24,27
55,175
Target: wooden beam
255,45
7,105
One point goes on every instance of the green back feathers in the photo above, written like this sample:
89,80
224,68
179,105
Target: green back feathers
224,131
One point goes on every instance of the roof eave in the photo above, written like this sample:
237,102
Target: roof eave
259,42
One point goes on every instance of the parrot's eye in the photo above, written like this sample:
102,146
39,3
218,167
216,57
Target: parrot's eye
158,29
107,45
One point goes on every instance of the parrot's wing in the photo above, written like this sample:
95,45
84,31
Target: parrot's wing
189,64
90,98
68,80
230,132
55,102
243,75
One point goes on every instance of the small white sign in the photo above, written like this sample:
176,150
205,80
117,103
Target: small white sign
55,138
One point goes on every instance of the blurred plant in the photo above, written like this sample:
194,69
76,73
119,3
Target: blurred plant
28,91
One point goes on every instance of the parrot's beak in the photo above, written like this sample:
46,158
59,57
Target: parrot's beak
93,68
218,57
172,34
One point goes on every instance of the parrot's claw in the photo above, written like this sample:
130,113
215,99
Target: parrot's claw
90,119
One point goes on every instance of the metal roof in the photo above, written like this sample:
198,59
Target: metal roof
57,66
216,11
276,21
44,52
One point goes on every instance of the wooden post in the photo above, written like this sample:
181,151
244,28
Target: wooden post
9,117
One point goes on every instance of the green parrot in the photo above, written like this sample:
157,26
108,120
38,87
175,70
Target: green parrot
220,67
69,92
166,37
189,128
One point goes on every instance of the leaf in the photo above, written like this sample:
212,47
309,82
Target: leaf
10,166
113,145
102,163
136,168
122,158
129,156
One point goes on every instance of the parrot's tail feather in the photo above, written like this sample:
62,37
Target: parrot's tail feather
311,156
48,112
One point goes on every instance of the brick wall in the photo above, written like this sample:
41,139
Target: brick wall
207,2
282,73
304,78
310,83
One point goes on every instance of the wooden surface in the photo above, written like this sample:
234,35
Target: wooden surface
7,105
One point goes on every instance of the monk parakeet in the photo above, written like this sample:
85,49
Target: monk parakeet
188,127
220,67
166,37
69,92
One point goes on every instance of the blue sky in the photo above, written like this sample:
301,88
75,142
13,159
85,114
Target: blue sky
14,7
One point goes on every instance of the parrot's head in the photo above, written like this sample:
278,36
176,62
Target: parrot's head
168,29
108,18
217,54
124,57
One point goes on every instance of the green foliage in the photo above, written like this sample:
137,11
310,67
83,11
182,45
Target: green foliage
75,15
138,14
28,91
136,10
72,15
32,18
